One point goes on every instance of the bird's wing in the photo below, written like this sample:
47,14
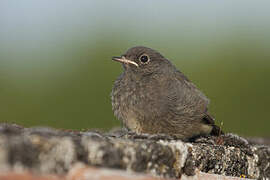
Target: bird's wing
208,119
188,100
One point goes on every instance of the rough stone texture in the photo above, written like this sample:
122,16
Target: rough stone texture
80,172
50,151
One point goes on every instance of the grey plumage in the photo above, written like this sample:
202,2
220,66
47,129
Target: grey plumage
154,97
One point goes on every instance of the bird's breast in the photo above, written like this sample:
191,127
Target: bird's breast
131,103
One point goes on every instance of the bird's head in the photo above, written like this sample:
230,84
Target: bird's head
143,61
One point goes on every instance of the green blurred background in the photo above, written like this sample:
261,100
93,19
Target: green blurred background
56,68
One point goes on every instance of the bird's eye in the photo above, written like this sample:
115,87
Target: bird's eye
144,58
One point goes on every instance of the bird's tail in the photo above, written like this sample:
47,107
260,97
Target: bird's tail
216,131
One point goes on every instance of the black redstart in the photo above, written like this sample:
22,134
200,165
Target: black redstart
151,96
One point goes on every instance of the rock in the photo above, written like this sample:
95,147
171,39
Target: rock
49,151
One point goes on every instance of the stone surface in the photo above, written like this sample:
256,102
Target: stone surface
81,172
49,151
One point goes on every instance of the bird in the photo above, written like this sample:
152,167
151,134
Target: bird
152,96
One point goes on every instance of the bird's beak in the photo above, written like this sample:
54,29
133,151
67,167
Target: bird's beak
123,59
